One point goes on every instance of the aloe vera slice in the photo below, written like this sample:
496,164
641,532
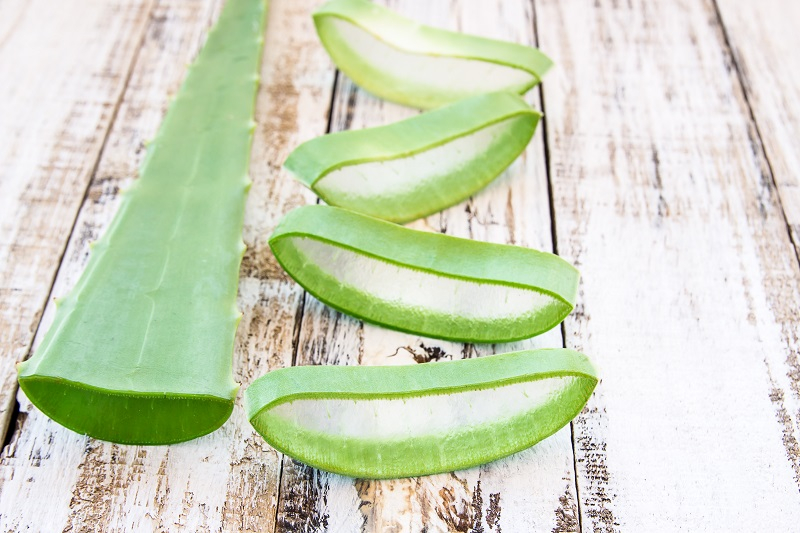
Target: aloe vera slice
420,282
421,165
141,350
403,61
398,421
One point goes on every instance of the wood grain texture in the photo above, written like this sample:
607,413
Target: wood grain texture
62,77
531,491
664,197
764,40
53,479
689,300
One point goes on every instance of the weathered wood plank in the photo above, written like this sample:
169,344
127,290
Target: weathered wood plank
689,300
53,479
63,67
532,491
764,40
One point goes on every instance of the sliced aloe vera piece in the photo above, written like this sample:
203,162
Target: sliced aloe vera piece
401,60
424,283
398,421
141,350
421,165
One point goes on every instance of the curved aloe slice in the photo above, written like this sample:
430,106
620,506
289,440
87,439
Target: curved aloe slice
398,421
140,351
403,61
424,283
420,165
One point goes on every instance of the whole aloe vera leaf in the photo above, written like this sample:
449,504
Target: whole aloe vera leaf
420,282
398,421
403,61
141,349
421,165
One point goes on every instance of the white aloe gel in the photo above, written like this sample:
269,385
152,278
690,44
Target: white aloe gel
441,73
403,418
419,290
363,182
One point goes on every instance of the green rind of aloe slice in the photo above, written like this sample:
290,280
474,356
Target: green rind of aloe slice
399,421
401,60
421,165
421,282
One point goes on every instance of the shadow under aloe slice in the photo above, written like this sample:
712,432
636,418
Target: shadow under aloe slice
140,351
424,283
400,60
421,165
399,421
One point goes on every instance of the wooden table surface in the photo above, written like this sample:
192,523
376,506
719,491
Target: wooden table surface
666,169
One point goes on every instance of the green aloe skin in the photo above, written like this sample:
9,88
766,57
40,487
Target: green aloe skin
406,62
421,165
424,283
398,421
140,351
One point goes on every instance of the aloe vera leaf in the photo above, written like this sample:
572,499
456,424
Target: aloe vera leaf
421,165
399,421
420,282
401,60
141,349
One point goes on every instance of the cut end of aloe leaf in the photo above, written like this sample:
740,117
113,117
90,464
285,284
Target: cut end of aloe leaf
421,165
126,417
401,60
399,421
424,283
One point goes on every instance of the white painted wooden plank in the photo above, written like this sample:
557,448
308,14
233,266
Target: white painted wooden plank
762,36
63,66
689,300
531,491
53,479
764,39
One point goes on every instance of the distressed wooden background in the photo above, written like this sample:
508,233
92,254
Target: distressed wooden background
666,169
